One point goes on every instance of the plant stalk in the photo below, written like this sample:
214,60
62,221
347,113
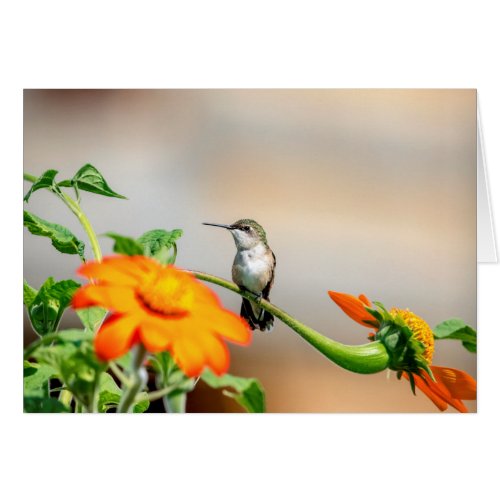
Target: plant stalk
366,358
130,393
80,215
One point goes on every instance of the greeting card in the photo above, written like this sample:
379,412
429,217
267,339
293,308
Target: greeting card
252,250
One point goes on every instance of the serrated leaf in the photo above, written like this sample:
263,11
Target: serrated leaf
62,238
248,391
46,180
88,178
72,336
125,245
29,294
91,317
75,364
46,309
81,372
158,244
457,329
33,404
36,379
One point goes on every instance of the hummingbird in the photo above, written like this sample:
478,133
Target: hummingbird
253,269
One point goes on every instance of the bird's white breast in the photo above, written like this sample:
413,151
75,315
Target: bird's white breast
252,268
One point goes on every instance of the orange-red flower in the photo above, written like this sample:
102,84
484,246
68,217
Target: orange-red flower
164,308
449,387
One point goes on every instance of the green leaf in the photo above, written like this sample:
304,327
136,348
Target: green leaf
29,294
36,379
141,406
46,309
471,347
171,376
158,244
46,180
88,178
66,184
33,404
125,245
110,395
248,392
74,336
456,328
91,317
62,238
80,371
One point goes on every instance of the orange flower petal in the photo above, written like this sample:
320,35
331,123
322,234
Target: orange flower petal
216,353
443,392
459,383
228,325
115,298
157,335
116,336
365,300
190,341
353,307
205,295
118,270
438,393
437,400
163,307
189,356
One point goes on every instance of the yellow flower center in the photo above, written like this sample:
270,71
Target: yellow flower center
420,329
168,293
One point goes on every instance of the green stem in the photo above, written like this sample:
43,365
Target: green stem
154,395
129,394
94,397
366,358
84,221
29,177
124,381
80,215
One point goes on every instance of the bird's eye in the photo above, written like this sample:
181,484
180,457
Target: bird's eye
246,228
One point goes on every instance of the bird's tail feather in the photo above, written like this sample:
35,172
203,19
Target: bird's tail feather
256,317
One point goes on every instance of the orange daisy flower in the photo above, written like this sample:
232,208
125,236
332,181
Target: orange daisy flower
443,386
164,308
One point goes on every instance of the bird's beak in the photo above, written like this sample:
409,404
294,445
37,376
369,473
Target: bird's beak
225,226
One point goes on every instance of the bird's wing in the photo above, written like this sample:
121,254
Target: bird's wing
267,289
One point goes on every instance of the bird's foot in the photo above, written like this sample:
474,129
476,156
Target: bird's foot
257,296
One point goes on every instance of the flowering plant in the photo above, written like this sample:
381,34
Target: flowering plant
150,330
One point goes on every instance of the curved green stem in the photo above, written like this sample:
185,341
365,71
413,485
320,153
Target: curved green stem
76,209
366,358
129,394
124,381
154,395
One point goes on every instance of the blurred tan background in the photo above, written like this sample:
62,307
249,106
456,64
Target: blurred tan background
361,191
